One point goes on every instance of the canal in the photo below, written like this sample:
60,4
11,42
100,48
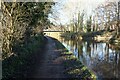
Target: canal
102,58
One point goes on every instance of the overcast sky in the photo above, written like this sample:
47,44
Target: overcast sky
64,10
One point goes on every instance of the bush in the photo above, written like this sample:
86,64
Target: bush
17,64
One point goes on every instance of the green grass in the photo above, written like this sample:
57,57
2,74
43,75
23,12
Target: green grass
73,67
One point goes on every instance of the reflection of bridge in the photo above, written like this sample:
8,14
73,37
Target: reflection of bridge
53,31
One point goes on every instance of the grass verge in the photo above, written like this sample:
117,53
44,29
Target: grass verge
73,67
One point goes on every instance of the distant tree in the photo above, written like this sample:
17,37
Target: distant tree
118,19
89,23
80,21
107,15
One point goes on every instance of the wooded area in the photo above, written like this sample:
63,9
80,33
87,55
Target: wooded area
20,22
22,35
105,17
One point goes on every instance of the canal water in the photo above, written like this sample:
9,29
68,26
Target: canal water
102,58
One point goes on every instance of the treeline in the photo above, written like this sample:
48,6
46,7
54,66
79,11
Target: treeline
21,21
105,17
22,35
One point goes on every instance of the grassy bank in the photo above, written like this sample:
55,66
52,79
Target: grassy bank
19,64
73,67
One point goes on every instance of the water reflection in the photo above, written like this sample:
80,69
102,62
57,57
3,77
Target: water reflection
99,57
102,58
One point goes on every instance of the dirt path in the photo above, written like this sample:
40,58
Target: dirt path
49,65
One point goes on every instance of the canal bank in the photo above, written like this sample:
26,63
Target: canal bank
100,57
58,62
73,67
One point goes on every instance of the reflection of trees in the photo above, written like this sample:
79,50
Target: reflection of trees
96,47
76,47
89,49
80,51
119,62
71,44
116,57
76,44
110,64
107,52
116,64
93,47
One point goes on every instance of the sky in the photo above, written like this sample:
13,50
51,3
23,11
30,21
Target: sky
64,10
